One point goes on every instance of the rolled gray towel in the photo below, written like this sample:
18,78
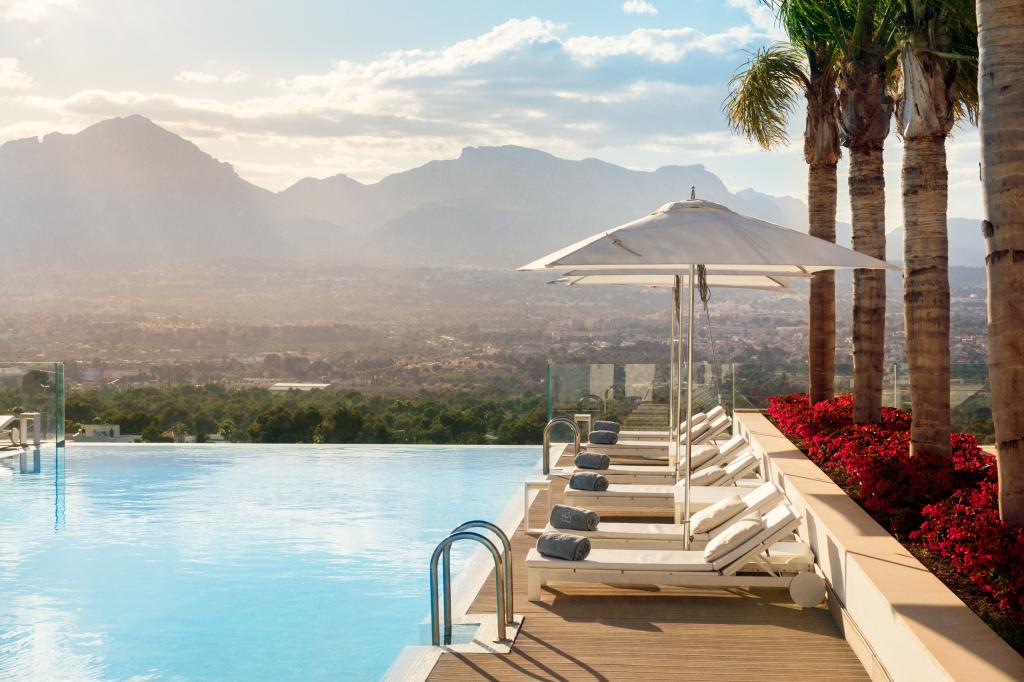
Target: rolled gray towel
603,437
607,426
563,546
588,481
574,518
593,460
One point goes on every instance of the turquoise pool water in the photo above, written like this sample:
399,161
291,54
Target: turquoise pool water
227,562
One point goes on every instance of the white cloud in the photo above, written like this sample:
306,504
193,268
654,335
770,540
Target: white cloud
638,7
761,16
523,82
203,77
665,45
32,10
11,75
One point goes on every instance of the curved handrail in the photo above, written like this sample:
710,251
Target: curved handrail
499,579
507,544
546,455
590,396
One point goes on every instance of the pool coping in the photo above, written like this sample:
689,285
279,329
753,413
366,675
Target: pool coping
415,662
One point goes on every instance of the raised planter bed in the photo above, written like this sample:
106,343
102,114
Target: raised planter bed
899,617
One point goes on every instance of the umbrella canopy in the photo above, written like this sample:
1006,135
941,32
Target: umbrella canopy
695,232
685,236
780,283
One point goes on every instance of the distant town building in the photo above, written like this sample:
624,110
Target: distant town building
289,386
103,433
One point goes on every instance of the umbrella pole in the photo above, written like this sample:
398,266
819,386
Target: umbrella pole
678,305
689,415
672,367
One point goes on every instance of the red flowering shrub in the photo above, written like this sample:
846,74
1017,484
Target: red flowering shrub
966,530
792,414
972,464
895,420
829,416
949,506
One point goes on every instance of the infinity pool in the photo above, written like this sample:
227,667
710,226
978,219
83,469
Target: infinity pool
230,562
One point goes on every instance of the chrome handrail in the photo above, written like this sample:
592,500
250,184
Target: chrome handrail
499,587
546,456
507,544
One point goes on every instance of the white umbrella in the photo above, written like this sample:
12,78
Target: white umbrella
701,232
656,280
679,237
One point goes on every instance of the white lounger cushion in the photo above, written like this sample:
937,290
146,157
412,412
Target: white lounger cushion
717,514
627,490
734,537
742,465
707,476
779,522
793,554
714,412
732,447
762,498
703,454
677,560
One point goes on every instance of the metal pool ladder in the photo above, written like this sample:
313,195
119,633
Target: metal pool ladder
546,456
502,578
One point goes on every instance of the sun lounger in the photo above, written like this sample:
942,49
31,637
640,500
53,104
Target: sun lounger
665,473
613,535
644,448
662,497
759,561
664,450
711,414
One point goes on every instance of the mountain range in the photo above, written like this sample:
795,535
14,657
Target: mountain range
125,188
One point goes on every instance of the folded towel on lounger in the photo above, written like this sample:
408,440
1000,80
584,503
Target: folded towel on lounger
588,481
563,546
574,518
603,437
592,460
606,426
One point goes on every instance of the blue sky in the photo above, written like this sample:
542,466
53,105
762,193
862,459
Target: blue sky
287,90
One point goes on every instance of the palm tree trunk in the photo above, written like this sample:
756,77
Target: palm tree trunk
1001,79
821,342
867,204
926,291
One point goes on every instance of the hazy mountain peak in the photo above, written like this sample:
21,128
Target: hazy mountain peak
126,186
508,151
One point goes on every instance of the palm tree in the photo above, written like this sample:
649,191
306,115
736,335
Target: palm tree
938,84
762,95
1001,72
863,34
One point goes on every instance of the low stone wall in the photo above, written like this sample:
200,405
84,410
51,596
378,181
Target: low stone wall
902,622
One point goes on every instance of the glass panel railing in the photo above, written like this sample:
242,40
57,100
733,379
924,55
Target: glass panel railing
28,389
637,395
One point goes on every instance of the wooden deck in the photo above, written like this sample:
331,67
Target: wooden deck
595,632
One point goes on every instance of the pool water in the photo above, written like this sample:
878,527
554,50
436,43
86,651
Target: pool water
230,562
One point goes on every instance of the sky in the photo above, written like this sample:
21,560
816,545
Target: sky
285,90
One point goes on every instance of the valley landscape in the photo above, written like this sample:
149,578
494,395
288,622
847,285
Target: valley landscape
142,260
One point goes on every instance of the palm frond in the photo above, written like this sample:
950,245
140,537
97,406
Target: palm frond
764,93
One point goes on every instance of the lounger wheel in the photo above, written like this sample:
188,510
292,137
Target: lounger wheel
807,589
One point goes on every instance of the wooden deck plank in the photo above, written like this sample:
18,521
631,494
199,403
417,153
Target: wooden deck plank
599,632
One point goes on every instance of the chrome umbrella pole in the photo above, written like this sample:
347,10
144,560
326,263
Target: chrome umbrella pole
672,369
689,415
677,416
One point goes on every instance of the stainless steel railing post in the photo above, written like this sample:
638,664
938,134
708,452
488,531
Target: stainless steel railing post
546,454
499,585
507,545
